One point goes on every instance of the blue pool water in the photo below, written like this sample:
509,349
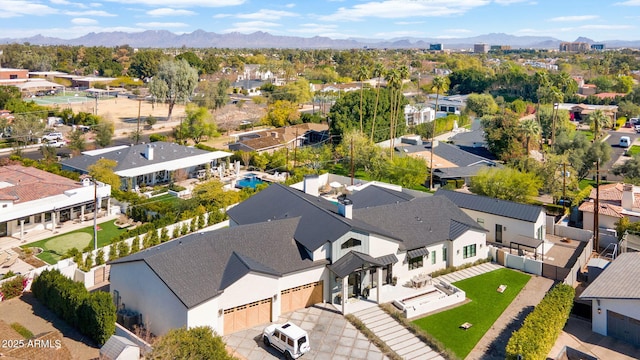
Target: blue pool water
250,180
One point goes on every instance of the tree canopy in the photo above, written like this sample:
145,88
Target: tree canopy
174,83
190,344
197,126
506,183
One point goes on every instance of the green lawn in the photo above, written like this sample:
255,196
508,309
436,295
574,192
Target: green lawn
635,149
588,134
55,247
485,307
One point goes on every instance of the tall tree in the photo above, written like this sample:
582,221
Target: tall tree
189,344
104,133
77,142
197,126
378,73
530,129
104,170
506,183
440,84
362,75
174,83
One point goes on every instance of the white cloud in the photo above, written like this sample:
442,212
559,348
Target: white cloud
89,13
95,4
16,8
289,6
161,25
252,26
397,9
457,31
397,34
266,14
509,2
182,3
573,18
606,27
170,12
629,3
409,22
84,21
221,16
66,32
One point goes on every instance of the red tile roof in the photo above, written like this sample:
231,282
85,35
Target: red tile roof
609,192
605,209
21,184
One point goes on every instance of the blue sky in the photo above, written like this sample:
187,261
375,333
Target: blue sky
378,19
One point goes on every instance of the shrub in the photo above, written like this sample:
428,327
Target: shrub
157,137
542,326
22,330
123,249
135,245
93,314
164,235
113,252
12,288
100,257
9,274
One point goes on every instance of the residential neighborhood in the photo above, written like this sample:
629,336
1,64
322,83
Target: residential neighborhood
402,201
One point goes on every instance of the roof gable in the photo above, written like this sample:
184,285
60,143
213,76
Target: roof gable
619,280
485,204
373,195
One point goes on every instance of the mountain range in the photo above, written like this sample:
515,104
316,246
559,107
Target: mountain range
203,39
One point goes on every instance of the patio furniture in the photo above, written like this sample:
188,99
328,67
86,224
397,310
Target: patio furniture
11,260
466,326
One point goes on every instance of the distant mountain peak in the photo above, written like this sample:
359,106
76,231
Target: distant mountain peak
584,40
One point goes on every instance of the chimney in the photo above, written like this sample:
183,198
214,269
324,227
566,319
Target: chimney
345,207
628,196
311,185
148,152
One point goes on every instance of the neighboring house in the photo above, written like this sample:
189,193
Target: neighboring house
509,223
285,250
251,86
148,164
336,87
615,299
615,202
453,104
450,163
416,115
119,348
32,199
580,112
470,139
254,72
289,137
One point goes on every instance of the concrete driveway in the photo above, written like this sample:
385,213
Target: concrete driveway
330,334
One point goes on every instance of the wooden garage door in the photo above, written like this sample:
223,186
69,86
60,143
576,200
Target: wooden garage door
301,296
246,316
623,328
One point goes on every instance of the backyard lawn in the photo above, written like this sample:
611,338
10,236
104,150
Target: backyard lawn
55,247
486,305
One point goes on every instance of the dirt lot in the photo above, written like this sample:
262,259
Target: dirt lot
27,311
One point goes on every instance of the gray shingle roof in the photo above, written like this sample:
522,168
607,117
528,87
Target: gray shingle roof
375,196
198,267
619,280
450,153
319,221
458,172
420,222
133,156
510,209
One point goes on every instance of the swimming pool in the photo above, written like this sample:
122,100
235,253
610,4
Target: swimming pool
250,180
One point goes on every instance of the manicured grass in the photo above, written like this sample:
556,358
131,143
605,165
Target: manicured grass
55,247
486,305
588,134
635,149
588,182
26,333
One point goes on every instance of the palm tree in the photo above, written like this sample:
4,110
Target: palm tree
393,83
362,75
440,84
378,72
600,120
530,129
556,97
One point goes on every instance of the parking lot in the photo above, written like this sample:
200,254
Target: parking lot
331,337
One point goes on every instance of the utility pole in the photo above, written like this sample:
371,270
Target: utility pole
564,187
295,150
95,214
352,164
138,129
596,212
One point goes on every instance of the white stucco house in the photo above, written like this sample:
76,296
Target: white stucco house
508,223
33,199
416,115
615,299
286,249
148,164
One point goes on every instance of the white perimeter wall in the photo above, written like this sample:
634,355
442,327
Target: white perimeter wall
629,308
147,294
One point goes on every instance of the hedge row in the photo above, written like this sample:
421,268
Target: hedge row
12,288
542,327
93,314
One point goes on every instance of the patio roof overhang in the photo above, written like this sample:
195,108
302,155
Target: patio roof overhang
354,260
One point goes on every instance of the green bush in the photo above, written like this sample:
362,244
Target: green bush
12,288
100,257
542,327
157,137
93,314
